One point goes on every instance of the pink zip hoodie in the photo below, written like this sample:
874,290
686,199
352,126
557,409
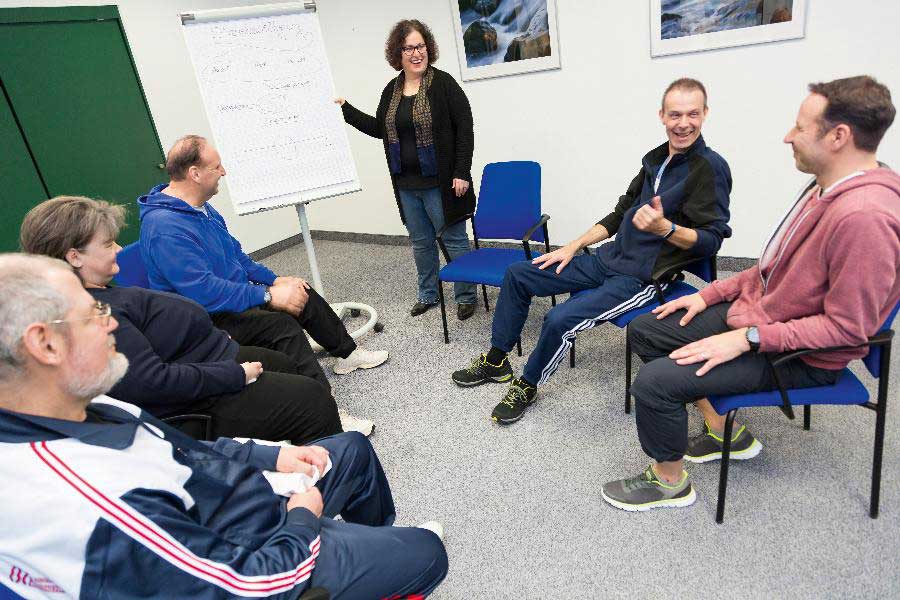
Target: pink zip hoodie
836,279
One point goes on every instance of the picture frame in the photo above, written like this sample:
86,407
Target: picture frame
495,38
680,26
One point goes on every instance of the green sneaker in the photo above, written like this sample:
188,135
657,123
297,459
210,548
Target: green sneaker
481,371
708,446
519,395
646,491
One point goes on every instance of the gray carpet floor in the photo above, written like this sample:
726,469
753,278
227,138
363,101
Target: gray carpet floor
521,505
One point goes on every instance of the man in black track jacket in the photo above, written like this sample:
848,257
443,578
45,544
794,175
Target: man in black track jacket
675,209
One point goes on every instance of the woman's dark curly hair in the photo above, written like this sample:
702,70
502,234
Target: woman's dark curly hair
397,36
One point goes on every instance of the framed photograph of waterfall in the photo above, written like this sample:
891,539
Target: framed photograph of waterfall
505,37
678,26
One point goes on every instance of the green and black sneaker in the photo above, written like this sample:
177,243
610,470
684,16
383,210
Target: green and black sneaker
708,446
646,491
519,395
481,371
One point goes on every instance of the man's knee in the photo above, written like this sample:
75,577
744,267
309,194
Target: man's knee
641,336
650,385
557,320
349,449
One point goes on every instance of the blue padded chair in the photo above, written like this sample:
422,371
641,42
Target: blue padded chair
509,208
131,267
848,390
669,284
132,273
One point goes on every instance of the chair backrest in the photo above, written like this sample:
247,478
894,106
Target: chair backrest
703,268
132,272
873,359
509,201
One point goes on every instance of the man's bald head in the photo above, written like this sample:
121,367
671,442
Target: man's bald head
185,153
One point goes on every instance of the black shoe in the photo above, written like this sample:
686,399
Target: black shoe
708,446
464,311
519,395
421,307
481,371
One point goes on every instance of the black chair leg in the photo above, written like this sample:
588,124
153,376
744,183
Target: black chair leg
443,311
572,355
880,414
723,472
487,307
627,374
807,416
519,346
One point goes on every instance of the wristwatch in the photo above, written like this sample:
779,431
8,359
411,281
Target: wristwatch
671,231
752,336
267,296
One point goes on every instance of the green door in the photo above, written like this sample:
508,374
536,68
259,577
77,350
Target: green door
72,85
19,180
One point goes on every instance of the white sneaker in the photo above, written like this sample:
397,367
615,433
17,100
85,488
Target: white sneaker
351,423
360,359
435,527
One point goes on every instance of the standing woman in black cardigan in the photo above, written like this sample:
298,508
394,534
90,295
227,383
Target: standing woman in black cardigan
425,122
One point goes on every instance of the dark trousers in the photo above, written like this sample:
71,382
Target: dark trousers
609,295
282,332
363,556
663,387
282,404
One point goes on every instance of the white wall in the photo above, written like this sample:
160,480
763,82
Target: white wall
588,124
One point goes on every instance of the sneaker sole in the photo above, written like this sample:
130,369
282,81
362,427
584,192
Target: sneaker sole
503,379
745,454
668,503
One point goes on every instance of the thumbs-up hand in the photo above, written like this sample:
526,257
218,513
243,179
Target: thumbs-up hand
650,218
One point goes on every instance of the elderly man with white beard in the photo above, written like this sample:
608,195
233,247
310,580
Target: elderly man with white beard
102,499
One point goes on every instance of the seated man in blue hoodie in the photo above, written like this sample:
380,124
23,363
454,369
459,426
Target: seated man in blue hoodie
186,248
100,499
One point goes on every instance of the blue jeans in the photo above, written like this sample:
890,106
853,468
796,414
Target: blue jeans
424,212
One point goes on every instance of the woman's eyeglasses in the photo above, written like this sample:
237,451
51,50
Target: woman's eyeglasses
408,50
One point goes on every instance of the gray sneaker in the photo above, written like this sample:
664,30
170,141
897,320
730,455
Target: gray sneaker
646,491
708,446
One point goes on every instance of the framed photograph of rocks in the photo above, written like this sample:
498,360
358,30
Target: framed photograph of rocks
678,26
505,37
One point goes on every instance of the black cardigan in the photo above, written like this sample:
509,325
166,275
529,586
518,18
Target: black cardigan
454,138
176,356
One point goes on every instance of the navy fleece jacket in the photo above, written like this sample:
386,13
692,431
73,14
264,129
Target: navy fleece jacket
193,255
176,357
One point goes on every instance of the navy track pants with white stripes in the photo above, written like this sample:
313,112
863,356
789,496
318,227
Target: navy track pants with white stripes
610,294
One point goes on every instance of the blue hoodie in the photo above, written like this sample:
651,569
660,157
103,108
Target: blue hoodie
191,254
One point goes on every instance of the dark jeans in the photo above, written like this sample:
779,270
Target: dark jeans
282,332
363,557
282,404
663,387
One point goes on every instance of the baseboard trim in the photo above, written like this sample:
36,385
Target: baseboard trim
724,263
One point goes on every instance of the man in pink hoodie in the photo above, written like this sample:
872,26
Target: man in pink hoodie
827,277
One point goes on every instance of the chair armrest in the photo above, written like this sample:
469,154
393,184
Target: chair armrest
667,273
670,274
527,237
206,420
440,234
543,221
879,339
